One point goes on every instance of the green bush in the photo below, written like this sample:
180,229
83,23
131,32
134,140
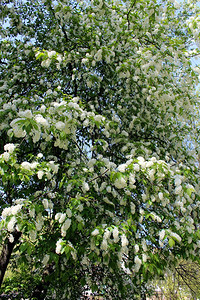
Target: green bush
20,283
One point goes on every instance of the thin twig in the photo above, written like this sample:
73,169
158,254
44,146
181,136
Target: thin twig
99,175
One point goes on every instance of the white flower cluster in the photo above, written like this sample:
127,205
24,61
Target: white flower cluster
177,182
48,204
5,156
41,120
59,246
115,235
39,221
124,241
162,234
65,220
141,165
120,182
193,23
11,224
95,232
48,56
138,263
45,259
10,148
17,128
65,226
12,210
29,166
25,114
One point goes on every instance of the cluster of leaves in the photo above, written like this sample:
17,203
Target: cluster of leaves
98,102
20,283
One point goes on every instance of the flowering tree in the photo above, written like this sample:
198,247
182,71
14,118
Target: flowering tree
99,145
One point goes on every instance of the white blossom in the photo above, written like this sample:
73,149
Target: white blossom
66,226
40,174
45,203
33,235
16,208
116,234
120,183
107,234
79,219
132,208
26,114
59,246
32,212
144,257
60,125
160,195
62,218
69,212
122,168
85,187
6,212
11,224
104,245
178,189
138,263
124,240
137,248
53,166
10,148
6,156
80,207
162,234
41,120
57,216
132,178
26,165
95,232
11,238
141,161
136,167
177,180
51,53
34,165
45,259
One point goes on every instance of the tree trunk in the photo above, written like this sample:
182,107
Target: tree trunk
6,254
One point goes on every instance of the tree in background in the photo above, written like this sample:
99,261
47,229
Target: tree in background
181,283
188,277
99,183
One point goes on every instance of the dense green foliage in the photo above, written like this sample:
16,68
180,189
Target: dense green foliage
20,283
99,141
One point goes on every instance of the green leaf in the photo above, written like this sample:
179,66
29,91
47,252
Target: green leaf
23,247
171,242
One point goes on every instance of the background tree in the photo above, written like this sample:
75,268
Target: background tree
180,283
99,185
188,276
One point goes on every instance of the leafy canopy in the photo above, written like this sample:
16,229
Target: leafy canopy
99,140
